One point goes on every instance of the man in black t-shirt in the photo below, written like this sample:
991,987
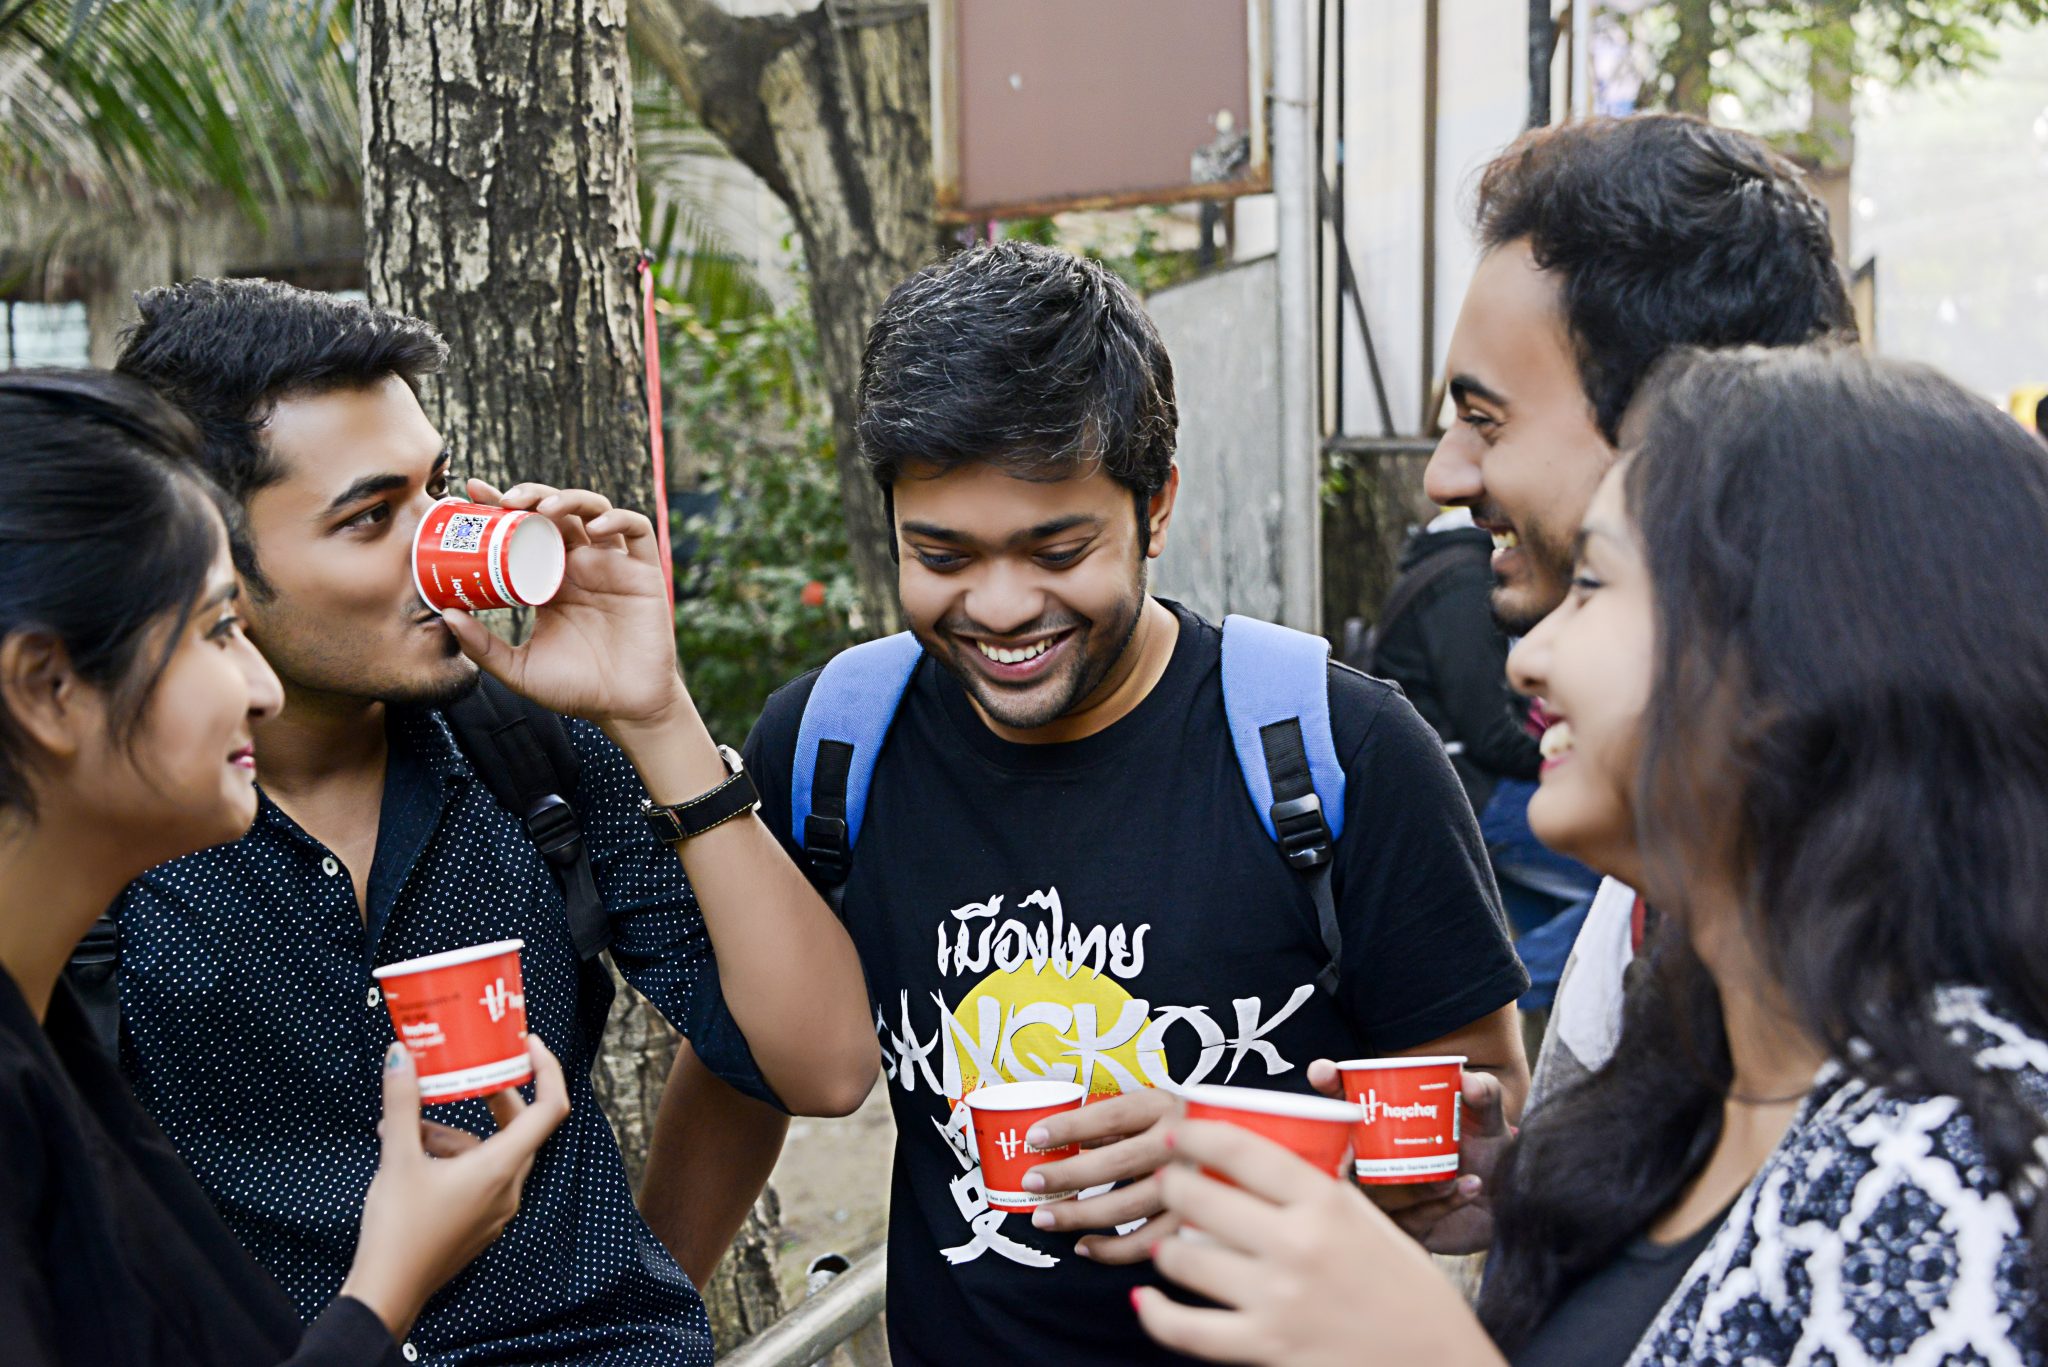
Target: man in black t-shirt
1060,873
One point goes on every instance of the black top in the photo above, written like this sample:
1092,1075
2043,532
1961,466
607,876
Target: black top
1605,1316
254,1034
112,1254
1451,660
1111,911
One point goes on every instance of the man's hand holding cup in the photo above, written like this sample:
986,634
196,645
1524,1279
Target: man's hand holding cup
1455,1216
603,647
1122,1141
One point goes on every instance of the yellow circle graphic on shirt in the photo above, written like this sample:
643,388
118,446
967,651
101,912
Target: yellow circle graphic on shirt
1035,1022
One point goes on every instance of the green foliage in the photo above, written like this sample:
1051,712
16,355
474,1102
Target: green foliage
1044,230
1128,242
1765,52
154,108
146,102
681,168
768,590
1144,264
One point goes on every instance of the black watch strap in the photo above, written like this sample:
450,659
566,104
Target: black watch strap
734,797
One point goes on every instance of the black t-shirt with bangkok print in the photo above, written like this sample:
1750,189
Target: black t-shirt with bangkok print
1112,911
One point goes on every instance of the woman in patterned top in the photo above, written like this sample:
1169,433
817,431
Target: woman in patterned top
127,698
1802,690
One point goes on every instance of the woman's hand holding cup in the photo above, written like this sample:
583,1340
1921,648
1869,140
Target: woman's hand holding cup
426,1217
1306,1270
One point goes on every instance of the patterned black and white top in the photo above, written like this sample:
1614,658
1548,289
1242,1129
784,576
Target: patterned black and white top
1875,1233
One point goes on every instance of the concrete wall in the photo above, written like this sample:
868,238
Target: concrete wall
1221,548
1482,101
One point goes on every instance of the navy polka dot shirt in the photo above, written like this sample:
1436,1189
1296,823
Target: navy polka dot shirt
254,1033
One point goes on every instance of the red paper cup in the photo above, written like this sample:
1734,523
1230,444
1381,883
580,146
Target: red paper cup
1409,1129
1316,1128
473,556
1000,1116
462,1015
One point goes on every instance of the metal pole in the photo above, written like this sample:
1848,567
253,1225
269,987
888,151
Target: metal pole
1340,117
1294,191
1432,46
1582,57
829,1318
1542,39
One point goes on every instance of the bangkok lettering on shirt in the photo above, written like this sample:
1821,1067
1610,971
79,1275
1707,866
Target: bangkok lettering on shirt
1050,1000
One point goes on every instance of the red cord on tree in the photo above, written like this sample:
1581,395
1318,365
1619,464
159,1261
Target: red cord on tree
653,347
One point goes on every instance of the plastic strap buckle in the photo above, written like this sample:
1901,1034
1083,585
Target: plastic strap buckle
826,847
555,830
1303,834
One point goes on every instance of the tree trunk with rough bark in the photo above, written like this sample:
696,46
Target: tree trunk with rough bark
500,204
1688,62
831,108
744,1294
1831,132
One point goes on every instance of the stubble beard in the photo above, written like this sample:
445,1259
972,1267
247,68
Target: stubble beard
439,694
1077,684
1519,607
322,665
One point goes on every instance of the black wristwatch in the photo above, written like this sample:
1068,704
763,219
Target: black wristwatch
734,797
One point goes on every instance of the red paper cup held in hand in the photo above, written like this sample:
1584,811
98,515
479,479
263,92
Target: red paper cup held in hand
1000,1116
1409,1126
474,556
1315,1128
462,1015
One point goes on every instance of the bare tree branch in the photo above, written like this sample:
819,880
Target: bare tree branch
715,60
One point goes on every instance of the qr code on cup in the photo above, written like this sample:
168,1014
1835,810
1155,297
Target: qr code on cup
465,532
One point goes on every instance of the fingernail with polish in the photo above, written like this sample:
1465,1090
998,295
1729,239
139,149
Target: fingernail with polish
1469,1185
1033,1180
1037,1138
1134,1298
394,1057
1041,1218
1081,1250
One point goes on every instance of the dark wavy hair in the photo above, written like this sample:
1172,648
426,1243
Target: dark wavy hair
225,351
1665,231
1023,356
1850,701
107,535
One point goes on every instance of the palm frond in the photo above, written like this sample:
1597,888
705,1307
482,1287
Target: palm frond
684,169
151,105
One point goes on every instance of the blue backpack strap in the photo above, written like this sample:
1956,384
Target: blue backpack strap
845,721
1276,696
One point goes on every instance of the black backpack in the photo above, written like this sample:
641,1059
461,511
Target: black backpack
522,753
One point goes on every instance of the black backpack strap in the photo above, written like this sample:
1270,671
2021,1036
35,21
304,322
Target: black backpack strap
1406,591
826,843
523,754
95,977
1276,698
1303,834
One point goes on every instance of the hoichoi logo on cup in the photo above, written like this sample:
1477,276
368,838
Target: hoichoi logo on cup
999,1118
1404,1106
462,1014
1375,1108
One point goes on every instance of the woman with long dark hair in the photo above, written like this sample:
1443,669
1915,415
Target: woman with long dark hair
127,699
1802,684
